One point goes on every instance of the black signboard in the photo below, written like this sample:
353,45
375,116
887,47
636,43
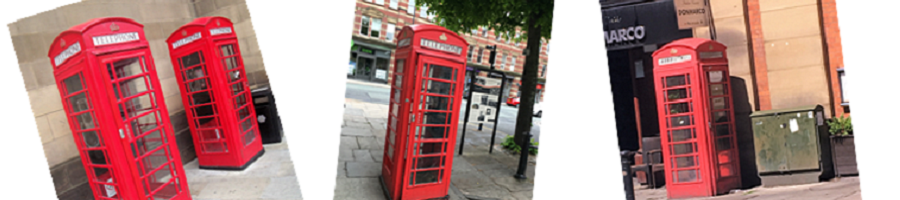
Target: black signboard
635,25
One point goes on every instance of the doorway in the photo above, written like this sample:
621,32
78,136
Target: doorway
364,67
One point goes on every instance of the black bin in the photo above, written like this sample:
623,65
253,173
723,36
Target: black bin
267,115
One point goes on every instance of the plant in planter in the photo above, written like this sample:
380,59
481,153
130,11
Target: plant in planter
840,126
843,146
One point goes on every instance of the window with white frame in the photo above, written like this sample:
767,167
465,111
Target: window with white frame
471,51
479,55
484,32
411,7
423,12
389,33
364,26
498,35
517,36
376,28
379,2
394,4
544,71
503,62
512,67
474,31
508,38
845,99
370,1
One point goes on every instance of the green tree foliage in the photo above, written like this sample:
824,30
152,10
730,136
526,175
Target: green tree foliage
500,15
533,17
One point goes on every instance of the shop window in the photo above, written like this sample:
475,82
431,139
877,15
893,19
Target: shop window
394,4
379,2
411,7
390,32
364,26
845,100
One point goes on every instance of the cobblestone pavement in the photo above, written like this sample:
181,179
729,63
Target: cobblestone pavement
475,175
846,188
271,177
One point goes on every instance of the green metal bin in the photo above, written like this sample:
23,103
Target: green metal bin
792,146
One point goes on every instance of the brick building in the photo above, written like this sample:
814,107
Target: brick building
32,36
375,26
782,54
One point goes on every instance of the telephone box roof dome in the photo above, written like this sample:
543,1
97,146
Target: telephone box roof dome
691,43
430,27
83,27
202,22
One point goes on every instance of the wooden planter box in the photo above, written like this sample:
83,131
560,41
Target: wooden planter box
844,152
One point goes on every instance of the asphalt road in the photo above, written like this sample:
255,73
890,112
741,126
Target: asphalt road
381,95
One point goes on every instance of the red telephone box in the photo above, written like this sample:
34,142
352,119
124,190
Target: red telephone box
696,118
111,95
425,97
215,93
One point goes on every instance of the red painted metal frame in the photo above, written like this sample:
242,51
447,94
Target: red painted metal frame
408,105
715,171
112,139
224,128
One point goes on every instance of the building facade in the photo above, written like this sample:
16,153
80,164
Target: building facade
782,54
32,36
374,41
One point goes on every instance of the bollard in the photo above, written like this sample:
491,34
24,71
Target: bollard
523,158
626,174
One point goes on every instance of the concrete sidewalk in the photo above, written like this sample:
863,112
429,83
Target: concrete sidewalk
846,188
475,175
271,177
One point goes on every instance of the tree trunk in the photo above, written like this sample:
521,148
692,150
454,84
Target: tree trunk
529,80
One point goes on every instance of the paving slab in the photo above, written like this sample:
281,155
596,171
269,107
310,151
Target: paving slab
283,188
349,142
363,169
345,154
358,189
351,131
369,143
362,155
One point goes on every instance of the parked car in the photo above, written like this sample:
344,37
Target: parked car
537,110
512,101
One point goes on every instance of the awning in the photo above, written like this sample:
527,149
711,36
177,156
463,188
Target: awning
371,45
